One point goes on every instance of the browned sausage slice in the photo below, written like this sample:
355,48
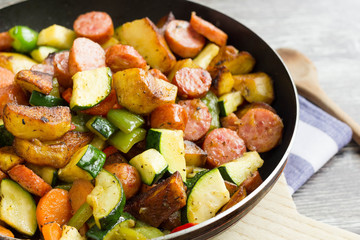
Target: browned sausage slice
169,116
96,26
6,77
5,41
44,68
192,82
61,69
261,129
199,119
183,39
222,145
241,112
85,55
208,30
120,57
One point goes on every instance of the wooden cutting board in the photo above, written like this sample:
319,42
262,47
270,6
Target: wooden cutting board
276,218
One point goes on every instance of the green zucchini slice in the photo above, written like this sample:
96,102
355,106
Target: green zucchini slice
17,207
151,166
90,88
229,102
107,200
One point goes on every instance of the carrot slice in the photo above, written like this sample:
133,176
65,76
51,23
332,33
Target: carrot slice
51,231
29,180
66,95
78,193
208,30
5,232
2,175
110,150
54,207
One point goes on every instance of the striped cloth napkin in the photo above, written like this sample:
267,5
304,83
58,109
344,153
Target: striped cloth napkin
319,137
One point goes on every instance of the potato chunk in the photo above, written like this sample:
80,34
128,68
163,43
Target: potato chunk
8,158
15,61
142,34
157,204
140,92
44,123
34,81
52,153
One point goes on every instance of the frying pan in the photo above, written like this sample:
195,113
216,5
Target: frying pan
39,14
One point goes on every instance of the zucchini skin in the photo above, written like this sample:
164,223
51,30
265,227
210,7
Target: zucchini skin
40,99
92,161
6,138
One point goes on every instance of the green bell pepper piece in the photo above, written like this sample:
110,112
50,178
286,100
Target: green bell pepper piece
25,39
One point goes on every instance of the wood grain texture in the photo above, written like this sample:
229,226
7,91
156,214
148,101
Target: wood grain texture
328,32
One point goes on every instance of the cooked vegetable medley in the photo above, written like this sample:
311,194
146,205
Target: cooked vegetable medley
127,133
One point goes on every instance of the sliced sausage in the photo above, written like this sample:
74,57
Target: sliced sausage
231,121
241,112
239,195
169,116
163,22
128,176
158,74
208,30
12,94
85,55
261,129
61,69
199,119
104,106
183,39
6,77
252,182
96,26
120,57
5,41
192,82
222,145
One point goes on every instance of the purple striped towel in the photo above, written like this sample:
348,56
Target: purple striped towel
319,137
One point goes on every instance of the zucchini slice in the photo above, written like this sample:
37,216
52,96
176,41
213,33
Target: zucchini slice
90,88
211,101
39,54
107,200
207,196
17,207
151,166
239,170
40,99
6,138
170,143
86,163
101,127
229,102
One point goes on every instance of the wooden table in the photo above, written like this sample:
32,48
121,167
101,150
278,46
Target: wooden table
328,32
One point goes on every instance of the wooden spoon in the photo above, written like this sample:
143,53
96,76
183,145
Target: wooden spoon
304,74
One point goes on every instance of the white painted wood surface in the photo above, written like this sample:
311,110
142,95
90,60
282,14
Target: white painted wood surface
328,32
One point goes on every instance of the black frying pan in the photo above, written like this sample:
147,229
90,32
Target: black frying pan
39,14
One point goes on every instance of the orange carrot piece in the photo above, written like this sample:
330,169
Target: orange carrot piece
208,30
79,191
66,95
29,180
54,207
5,232
51,231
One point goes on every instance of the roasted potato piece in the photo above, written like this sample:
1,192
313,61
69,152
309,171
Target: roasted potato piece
255,87
188,62
52,153
223,81
231,187
8,158
172,222
140,92
157,204
194,155
142,34
252,182
44,123
239,195
34,81
15,61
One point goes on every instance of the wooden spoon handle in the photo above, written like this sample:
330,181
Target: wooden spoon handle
328,105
